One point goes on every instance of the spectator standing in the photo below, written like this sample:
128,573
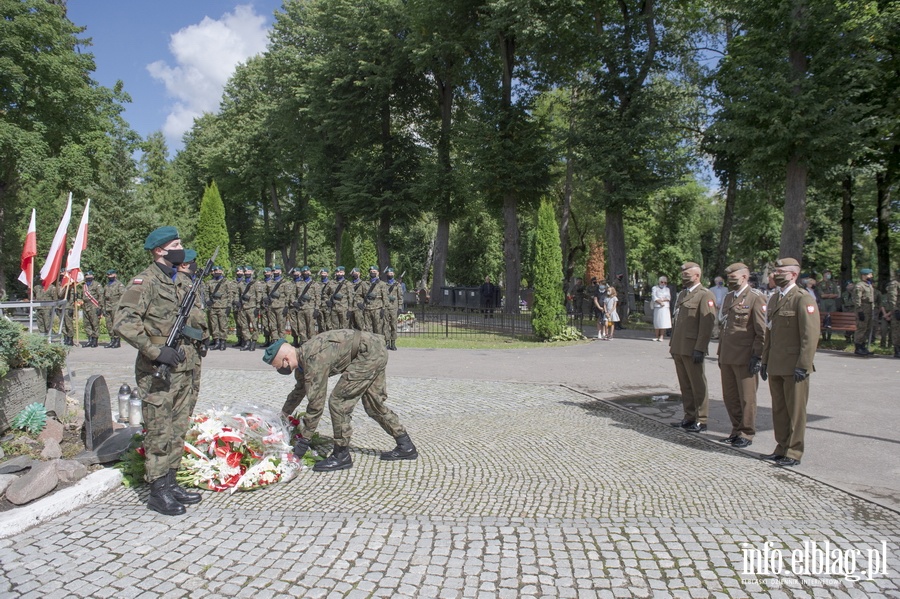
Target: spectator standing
612,318
662,300
488,294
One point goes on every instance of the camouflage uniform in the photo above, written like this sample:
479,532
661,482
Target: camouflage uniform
144,318
73,300
233,288
277,295
355,315
306,304
218,296
361,358
374,298
91,308
251,295
323,295
892,307
392,310
111,295
864,302
44,315
340,299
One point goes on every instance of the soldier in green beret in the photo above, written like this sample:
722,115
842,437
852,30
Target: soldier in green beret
361,359
374,299
218,302
340,298
392,308
864,302
892,310
144,319
355,315
306,305
111,295
91,308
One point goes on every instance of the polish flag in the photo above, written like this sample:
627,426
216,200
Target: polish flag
54,258
29,252
73,264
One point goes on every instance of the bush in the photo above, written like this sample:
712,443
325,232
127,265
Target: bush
21,350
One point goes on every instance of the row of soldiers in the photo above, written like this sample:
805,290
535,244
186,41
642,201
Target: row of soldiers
95,301
269,305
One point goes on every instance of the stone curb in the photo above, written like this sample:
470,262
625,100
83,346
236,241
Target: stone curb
81,493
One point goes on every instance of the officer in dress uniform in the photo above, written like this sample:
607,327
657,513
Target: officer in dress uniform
692,325
741,335
864,302
392,308
91,308
787,360
110,297
360,358
144,319
218,302
306,305
340,298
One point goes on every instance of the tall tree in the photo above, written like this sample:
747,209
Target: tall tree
211,230
548,312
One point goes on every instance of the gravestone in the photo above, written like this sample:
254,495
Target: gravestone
102,443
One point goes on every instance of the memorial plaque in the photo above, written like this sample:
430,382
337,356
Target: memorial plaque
102,443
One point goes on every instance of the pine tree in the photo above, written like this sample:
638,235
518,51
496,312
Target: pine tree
211,230
548,317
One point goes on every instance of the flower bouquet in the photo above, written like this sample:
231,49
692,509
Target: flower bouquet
237,450
406,321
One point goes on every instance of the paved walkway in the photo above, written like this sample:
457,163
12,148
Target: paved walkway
532,482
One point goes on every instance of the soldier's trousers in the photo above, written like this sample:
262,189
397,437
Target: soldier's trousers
247,324
68,325
865,328
166,409
44,320
895,331
218,323
373,321
340,319
739,394
91,320
275,326
306,325
390,324
789,414
363,378
694,391
355,320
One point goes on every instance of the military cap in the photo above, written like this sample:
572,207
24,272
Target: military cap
217,267
246,268
323,269
787,262
272,351
190,255
373,267
389,270
354,269
865,271
304,268
689,265
267,269
89,273
239,269
161,237
111,271
735,267
276,267
337,268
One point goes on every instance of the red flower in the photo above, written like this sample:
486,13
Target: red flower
234,458
294,421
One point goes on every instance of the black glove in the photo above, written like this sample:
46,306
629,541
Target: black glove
755,364
99,312
266,302
235,305
169,356
256,313
861,316
316,313
697,356
204,348
799,375
296,305
763,372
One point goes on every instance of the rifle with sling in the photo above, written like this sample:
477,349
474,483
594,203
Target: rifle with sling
180,328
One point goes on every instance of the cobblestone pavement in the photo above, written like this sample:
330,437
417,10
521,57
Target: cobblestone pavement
519,491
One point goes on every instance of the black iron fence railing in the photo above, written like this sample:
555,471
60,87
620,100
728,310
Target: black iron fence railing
441,322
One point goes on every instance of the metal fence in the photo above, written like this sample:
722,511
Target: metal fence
422,321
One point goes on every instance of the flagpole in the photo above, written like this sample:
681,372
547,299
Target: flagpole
31,301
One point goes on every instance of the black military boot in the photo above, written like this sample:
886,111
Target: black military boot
221,345
93,342
338,460
68,341
253,345
393,345
861,349
897,351
111,344
246,346
161,499
240,343
118,342
405,450
181,495
301,446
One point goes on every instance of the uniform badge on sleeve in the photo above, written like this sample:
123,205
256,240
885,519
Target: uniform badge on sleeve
710,303
811,309
137,281
765,307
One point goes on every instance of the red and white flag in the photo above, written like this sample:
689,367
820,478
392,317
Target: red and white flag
73,264
29,252
54,258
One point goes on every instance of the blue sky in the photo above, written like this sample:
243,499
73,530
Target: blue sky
174,56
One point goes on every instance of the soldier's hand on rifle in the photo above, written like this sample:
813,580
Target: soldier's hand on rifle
204,348
235,305
99,312
296,304
169,356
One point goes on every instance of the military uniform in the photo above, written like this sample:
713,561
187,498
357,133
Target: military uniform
392,309
91,294
323,291
218,302
44,315
144,318
788,354
695,315
892,308
360,358
864,304
111,295
277,295
234,289
251,295
355,315
340,298
374,298
73,300
306,303
741,336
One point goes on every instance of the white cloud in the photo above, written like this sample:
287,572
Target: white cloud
206,55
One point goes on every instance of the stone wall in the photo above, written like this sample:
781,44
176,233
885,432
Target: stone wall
18,389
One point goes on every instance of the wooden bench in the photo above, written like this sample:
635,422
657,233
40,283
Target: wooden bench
840,321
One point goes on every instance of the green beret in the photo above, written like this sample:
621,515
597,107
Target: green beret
337,268
304,268
786,262
388,271
190,255
321,270
161,237
250,268
373,268
865,271
239,269
111,271
354,269
217,267
272,350
89,273
276,267
735,267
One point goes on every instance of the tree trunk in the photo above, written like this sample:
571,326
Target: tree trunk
793,230
267,252
615,245
441,249
727,222
846,231
568,266
511,253
883,235
426,268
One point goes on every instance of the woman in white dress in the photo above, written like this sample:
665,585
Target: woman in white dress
662,317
